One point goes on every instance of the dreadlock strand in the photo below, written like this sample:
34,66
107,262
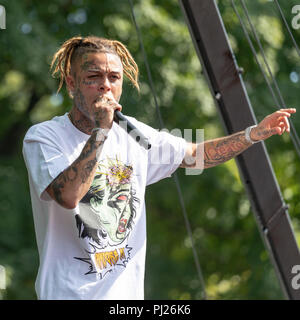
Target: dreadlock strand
129,65
63,59
58,69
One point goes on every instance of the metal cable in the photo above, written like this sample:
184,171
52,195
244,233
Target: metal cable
288,28
298,51
254,52
293,134
262,51
175,176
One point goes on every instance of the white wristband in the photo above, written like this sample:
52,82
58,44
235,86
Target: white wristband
247,135
101,134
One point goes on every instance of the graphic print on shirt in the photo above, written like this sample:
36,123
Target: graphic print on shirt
106,217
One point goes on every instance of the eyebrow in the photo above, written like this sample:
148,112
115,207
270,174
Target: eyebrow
102,70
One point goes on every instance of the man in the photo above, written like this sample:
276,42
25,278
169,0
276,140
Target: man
88,177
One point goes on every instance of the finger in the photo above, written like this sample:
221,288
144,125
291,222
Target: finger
276,130
104,100
290,110
280,130
117,106
282,113
282,127
286,124
111,101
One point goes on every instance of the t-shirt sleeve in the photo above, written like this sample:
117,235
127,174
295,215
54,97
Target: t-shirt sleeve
165,155
43,158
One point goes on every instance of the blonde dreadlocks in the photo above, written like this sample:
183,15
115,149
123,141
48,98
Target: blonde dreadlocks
72,48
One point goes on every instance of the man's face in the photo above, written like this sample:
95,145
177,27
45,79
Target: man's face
95,74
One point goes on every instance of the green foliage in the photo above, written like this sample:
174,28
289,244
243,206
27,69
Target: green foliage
234,261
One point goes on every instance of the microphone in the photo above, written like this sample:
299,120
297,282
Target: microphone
132,130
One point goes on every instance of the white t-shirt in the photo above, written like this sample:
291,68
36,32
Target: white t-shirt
96,250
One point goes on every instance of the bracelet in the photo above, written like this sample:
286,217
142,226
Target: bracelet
101,134
247,135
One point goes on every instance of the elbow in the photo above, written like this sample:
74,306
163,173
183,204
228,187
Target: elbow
69,204
64,200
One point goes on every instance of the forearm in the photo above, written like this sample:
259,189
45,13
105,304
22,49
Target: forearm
70,186
220,150
216,151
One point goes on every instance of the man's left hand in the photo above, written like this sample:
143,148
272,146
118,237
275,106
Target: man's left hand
275,123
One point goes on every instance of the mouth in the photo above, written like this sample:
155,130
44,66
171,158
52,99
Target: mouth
122,225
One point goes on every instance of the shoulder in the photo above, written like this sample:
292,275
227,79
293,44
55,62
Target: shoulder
48,130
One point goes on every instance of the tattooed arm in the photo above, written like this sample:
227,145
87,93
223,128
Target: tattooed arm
70,186
213,152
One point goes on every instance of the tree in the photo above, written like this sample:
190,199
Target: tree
234,261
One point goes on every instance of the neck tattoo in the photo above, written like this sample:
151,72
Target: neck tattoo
82,124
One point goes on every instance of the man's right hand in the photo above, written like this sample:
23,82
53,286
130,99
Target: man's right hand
104,108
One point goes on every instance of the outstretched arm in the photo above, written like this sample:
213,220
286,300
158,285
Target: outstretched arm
216,151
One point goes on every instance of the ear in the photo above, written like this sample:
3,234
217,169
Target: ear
70,81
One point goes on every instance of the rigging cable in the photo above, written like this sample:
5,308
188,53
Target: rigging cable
288,28
293,134
175,176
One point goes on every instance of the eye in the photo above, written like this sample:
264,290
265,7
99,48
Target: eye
115,77
93,76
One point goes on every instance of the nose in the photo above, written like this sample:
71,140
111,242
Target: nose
104,86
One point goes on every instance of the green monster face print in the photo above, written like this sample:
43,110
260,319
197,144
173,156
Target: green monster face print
108,209
114,209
